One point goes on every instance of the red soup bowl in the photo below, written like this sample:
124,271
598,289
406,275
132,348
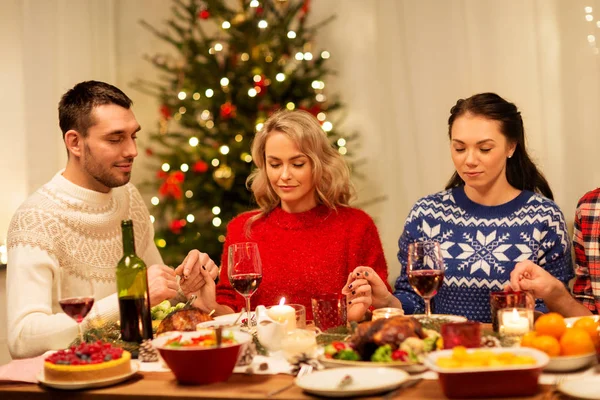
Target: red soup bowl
490,381
198,362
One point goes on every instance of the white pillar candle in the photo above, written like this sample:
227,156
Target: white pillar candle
513,322
283,313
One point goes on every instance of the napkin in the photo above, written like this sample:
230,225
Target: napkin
25,370
275,364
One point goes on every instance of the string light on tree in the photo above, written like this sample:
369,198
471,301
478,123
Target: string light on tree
155,201
152,219
341,142
224,54
216,210
327,126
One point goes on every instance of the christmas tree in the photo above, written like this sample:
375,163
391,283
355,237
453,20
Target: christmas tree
236,64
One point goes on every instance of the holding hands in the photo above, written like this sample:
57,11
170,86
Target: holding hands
528,276
198,273
364,288
162,283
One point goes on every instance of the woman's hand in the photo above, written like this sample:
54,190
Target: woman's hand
364,289
192,279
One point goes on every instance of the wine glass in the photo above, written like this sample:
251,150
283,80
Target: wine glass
425,270
76,296
245,271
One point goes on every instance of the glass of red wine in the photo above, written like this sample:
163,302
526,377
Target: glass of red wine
76,296
245,271
425,270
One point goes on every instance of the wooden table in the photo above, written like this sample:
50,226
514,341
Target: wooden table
159,385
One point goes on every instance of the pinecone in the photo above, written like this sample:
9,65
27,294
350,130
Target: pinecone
304,358
147,352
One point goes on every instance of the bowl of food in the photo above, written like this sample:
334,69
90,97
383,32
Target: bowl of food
196,358
493,372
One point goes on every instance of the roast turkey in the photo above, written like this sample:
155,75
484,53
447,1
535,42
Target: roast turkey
368,336
185,319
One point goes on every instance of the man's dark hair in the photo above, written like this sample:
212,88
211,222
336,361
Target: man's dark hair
75,107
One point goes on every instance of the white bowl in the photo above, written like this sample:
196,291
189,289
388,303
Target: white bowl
571,321
570,363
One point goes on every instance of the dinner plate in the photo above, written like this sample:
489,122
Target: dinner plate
448,317
97,383
230,318
364,381
571,321
581,388
405,366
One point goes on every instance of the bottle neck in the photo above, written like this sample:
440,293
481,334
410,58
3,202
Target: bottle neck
128,240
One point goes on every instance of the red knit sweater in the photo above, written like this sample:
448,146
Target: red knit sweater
304,254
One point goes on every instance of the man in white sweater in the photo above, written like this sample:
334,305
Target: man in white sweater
74,222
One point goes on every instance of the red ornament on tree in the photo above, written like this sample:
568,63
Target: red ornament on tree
177,225
314,110
149,151
259,10
228,110
204,14
165,111
171,187
200,167
305,7
160,174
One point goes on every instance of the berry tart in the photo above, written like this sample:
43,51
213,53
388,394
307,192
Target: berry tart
87,361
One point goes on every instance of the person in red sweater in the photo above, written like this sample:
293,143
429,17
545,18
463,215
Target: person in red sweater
309,239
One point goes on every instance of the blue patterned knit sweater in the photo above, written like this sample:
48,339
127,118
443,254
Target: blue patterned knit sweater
481,245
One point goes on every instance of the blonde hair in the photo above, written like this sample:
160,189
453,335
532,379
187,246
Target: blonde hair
331,174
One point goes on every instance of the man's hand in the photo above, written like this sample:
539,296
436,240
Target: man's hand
162,283
206,297
191,272
531,277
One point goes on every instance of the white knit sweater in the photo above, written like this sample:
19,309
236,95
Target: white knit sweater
63,225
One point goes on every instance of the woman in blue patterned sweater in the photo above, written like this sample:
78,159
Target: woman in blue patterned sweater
496,211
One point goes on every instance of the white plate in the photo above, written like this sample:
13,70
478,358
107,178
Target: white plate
365,381
449,317
571,321
570,363
406,366
87,384
581,388
230,318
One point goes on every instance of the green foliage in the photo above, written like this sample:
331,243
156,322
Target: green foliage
208,102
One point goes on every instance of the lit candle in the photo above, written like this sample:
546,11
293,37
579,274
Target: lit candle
513,323
283,313
387,312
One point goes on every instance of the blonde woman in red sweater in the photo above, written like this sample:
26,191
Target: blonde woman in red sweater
309,238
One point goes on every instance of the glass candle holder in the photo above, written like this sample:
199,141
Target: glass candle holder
467,334
500,300
387,312
300,315
515,322
298,342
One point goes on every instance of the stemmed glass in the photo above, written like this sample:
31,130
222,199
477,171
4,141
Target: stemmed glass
76,296
425,270
245,271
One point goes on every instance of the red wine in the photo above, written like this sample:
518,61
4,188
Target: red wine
426,282
136,322
77,307
246,284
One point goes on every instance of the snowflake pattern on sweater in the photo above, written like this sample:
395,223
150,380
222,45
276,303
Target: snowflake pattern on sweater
481,245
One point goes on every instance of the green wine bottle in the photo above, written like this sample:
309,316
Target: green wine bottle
132,290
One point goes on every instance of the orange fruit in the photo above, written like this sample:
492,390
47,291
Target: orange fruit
551,324
528,338
547,344
591,327
576,341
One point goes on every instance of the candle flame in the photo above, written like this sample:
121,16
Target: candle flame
515,315
282,301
